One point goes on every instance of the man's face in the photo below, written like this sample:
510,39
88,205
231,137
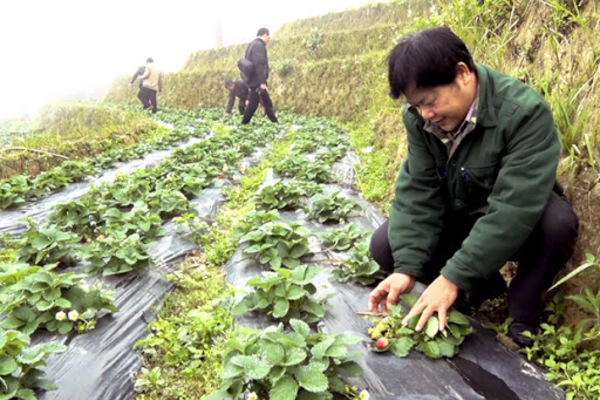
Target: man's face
266,38
445,106
231,87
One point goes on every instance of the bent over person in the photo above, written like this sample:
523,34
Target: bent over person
256,52
477,189
236,89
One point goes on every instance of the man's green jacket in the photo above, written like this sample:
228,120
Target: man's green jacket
505,170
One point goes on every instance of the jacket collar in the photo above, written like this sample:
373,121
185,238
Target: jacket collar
486,115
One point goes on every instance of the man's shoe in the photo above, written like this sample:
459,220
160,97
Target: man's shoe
515,332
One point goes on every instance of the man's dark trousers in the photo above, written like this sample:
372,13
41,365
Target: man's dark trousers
148,98
256,95
540,258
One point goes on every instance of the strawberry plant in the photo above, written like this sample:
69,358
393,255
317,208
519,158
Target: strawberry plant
168,204
46,245
121,192
116,255
279,196
331,209
138,220
73,216
33,297
284,295
20,365
344,238
272,364
187,183
253,220
316,171
359,268
50,180
400,340
285,195
14,191
291,165
277,244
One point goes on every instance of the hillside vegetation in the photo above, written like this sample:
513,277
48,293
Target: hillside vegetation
335,66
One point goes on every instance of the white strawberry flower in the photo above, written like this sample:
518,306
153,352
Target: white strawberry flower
252,396
73,315
364,395
60,316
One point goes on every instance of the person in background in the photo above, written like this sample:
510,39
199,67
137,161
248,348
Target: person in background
138,73
152,82
236,89
256,52
478,188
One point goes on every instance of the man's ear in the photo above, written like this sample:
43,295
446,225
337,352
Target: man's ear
463,73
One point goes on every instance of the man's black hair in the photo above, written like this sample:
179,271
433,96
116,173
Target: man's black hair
228,83
149,60
426,59
262,31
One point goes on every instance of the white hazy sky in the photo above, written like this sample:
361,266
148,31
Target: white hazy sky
55,48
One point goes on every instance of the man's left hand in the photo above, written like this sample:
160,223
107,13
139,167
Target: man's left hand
438,296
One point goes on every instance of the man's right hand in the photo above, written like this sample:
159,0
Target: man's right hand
388,291
130,85
227,115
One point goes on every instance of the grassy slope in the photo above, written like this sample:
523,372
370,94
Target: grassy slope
548,44
75,131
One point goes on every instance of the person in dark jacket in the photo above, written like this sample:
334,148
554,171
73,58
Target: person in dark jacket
477,189
256,52
139,73
236,89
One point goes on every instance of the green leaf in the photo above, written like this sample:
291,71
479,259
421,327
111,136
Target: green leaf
294,356
457,317
300,327
318,351
431,349
26,394
349,369
275,353
8,365
254,367
432,326
312,379
447,349
401,347
285,388
24,313
62,303
281,308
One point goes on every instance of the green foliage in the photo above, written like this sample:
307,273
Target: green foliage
343,238
431,341
253,220
277,244
20,365
186,340
285,195
33,297
313,42
276,365
41,245
331,209
114,255
563,351
284,295
359,267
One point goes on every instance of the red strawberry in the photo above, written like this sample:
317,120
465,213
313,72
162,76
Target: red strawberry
382,343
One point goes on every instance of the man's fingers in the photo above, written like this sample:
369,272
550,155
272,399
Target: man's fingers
392,297
423,320
415,310
442,317
375,298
